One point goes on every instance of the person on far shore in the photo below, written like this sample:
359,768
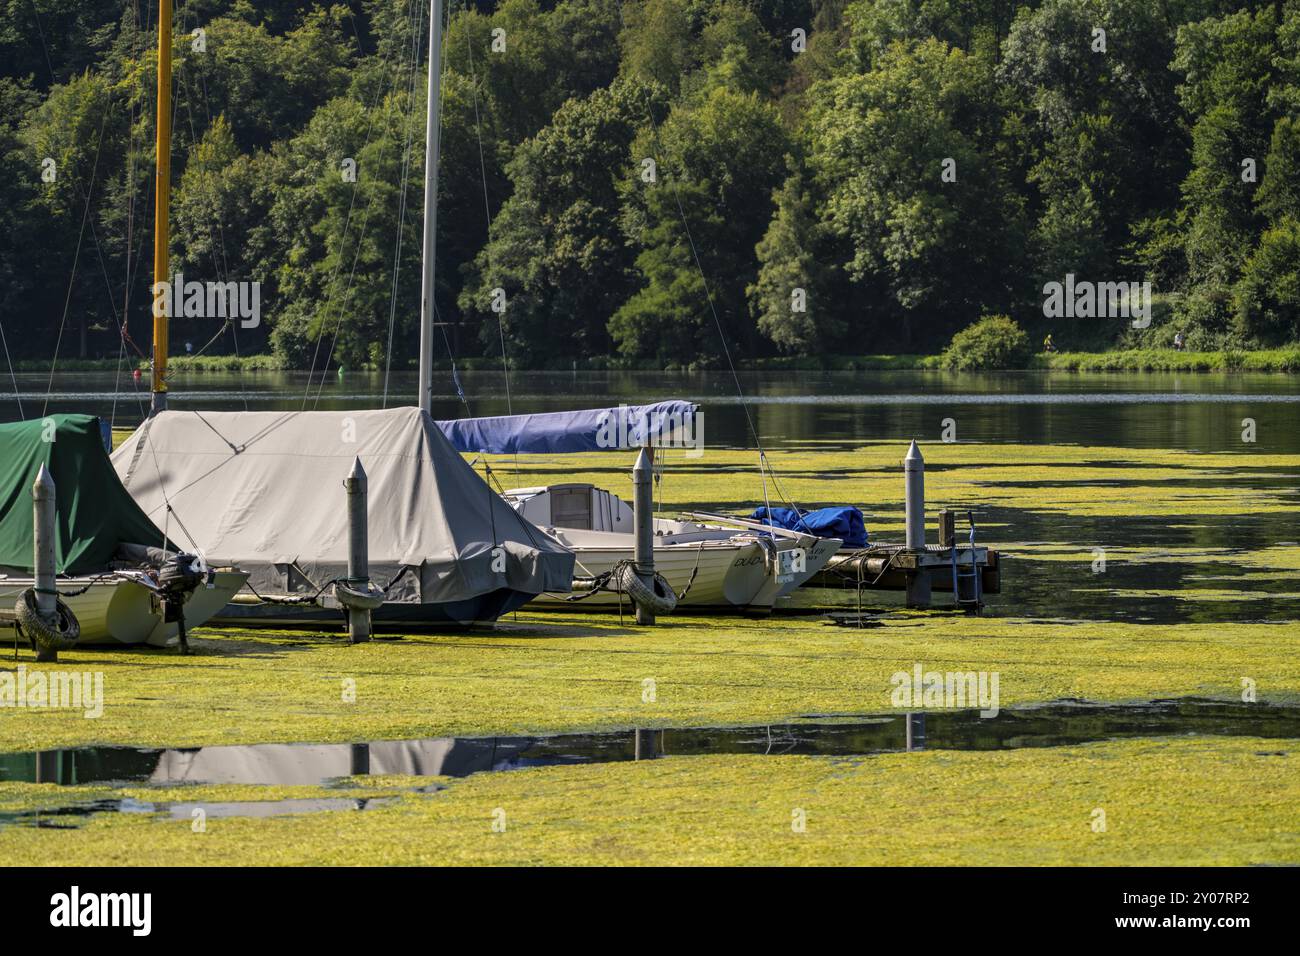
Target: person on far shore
1179,342
1048,344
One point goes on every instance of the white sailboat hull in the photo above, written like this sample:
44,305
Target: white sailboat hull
719,574
733,572
716,567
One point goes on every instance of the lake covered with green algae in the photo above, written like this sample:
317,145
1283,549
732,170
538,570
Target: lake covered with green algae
1150,552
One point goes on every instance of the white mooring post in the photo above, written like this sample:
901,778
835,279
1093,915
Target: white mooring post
358,549
918,581
643,519
43,537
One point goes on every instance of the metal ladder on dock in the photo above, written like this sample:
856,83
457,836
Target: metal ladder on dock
975,600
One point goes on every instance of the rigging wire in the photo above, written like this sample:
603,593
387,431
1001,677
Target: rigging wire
217,235
379,92
765,466
124,332
18,396
401,209
67,302
487,214
85,216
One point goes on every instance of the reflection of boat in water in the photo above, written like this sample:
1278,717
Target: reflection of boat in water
308,764
284,764
710,566
108,552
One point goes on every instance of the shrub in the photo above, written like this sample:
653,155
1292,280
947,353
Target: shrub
993,342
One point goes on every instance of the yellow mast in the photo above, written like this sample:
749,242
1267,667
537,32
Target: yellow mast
162,196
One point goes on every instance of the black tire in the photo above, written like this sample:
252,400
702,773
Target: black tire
61,635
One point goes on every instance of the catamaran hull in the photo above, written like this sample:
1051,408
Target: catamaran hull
122,611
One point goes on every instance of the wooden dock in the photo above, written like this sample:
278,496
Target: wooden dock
890,567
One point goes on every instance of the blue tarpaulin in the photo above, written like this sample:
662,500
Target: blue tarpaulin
844,523
672,424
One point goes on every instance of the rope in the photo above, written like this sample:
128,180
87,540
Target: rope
13,377
312,599
76,258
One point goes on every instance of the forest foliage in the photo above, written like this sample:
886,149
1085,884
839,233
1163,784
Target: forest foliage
655,181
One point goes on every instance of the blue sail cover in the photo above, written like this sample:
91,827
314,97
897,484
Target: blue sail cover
672,424
844,523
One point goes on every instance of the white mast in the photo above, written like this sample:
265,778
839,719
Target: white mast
430,205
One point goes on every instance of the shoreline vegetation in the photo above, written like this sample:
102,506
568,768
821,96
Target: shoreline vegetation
1283,359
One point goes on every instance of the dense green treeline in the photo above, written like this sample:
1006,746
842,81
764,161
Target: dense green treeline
651,179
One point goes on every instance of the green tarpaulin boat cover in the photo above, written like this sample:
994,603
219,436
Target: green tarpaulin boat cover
96,514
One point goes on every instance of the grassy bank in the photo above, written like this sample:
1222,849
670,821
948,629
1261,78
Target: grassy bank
1163,802
1168,360
1286,359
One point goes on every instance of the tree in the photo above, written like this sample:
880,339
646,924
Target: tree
656,42
1267,298
798,302
1102,130
1225,63
885,148
557,250
718,157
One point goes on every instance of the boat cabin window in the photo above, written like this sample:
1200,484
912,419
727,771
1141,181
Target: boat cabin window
571,508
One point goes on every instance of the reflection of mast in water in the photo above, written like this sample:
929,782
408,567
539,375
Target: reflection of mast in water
361,760
915,731
645,744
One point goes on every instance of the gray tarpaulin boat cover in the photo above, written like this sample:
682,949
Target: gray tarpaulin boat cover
264,491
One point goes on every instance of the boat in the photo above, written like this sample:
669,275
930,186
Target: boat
109,556
264,491
708,566
719,563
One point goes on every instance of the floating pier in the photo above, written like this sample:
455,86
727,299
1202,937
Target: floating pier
967,571
892,567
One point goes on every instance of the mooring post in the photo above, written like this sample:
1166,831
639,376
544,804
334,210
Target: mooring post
358,549
918,581
643,518
44,515
947,528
